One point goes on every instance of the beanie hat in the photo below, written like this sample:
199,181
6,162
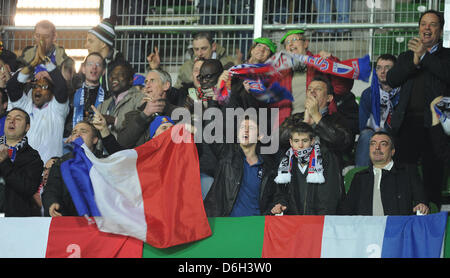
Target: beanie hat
268,42
299,31
105,32
138,80
159,120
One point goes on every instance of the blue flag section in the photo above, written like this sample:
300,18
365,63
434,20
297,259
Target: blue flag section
75,173
364,68
414,236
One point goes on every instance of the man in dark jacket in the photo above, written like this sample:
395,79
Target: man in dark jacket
330,128
423,72
386,188
56,198
309,180
20,166
243,181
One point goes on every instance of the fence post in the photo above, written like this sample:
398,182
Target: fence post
446,39
259,14
106,11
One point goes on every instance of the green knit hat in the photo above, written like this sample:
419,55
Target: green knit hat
268,42
299,31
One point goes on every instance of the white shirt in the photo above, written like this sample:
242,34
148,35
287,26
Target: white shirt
377,203
46,125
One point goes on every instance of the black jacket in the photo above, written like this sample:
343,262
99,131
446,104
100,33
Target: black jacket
434,70
22,178
227,181
302,198
401,190
55,191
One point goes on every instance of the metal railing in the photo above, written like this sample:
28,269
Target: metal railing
376,26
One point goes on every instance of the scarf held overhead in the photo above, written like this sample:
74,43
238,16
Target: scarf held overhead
268,75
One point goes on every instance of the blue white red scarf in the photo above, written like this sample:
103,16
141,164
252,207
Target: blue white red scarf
12,150
382,104
268,75
41,67
442,109
79,100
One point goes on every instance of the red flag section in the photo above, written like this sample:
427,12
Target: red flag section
170,180
293,236
73,237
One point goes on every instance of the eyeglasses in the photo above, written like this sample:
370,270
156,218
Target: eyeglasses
207,76
92,63
43,87
293,40
380,68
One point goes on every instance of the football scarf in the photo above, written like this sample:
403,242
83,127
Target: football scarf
267,75
12,151
80,100
310,156
382,104
442,109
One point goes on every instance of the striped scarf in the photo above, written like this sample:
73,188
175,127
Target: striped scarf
80,100
382,104
310,156
12,151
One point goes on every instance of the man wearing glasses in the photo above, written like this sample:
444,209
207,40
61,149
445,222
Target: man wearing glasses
46,102
90,93
298,80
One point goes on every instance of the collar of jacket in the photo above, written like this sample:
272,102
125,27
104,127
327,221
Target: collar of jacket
395,168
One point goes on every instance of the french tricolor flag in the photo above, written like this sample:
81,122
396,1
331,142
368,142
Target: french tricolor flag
151,193
62,237
354,236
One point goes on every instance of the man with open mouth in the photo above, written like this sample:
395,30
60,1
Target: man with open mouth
47,103
423,74
20,165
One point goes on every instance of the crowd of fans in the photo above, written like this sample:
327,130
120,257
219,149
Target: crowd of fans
394,133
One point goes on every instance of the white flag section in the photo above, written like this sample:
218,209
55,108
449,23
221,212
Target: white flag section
120,202
16,234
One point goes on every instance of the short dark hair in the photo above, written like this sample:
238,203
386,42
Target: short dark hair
27,117
94,130
322,78
302,127
129,71
382,132
214,63
96,54
204,35
438,14
388,57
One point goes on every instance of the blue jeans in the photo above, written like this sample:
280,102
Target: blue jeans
362,157
206,182
324,12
